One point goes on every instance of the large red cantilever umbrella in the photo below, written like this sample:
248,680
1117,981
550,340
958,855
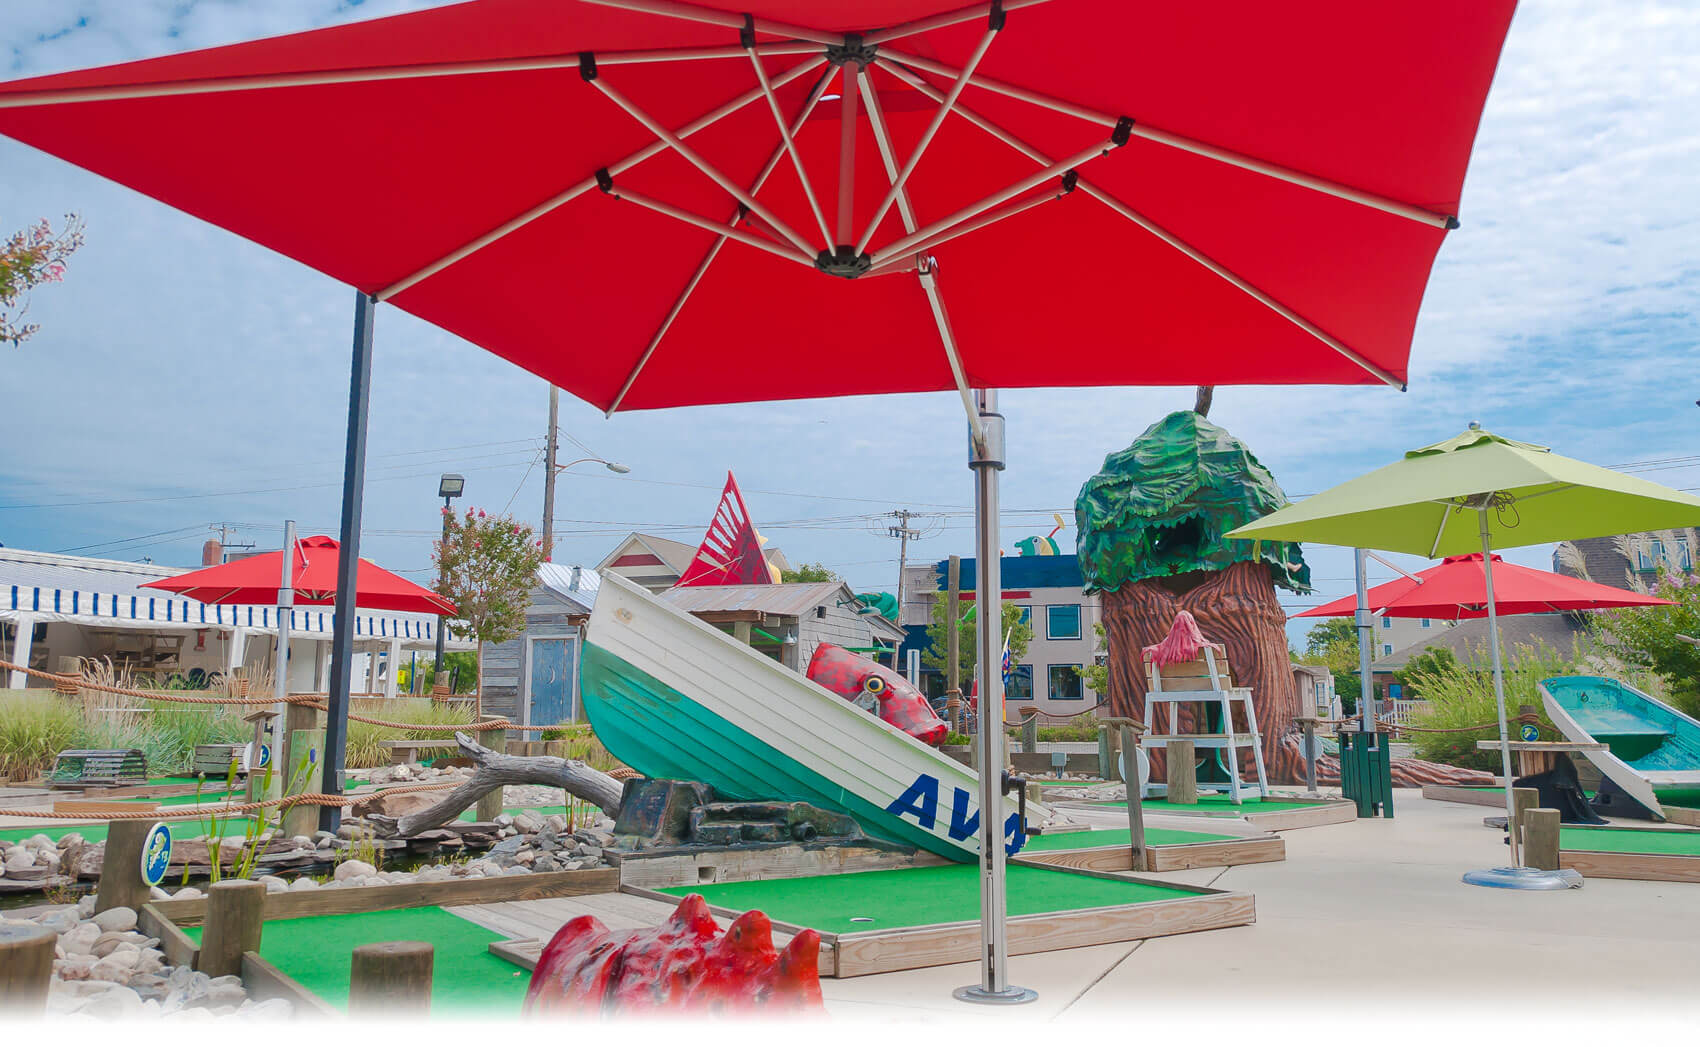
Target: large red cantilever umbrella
1456,589
621,195
313,579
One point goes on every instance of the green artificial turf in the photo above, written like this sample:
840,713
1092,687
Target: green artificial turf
316,951
1629,841
916,897
1117,838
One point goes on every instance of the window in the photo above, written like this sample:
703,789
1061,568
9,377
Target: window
1386,649
1062,622
1648,553
1680,556
1020,683
1427,623
1026,615
1387,622
1064,682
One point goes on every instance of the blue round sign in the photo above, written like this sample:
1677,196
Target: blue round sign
265,754
156,854
1529,732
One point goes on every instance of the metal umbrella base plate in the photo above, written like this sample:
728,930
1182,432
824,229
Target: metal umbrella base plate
980,994
1523,878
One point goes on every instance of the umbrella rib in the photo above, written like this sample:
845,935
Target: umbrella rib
929,283
693,13
882,138
933,126
1190,145
372,74
942,21
1108,200
580,188
703,223
696,160
1440,532
908,259
714,250
789,144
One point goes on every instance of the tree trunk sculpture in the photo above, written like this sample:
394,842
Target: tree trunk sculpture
496,770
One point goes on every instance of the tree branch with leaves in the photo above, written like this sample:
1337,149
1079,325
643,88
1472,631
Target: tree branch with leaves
487,566
29,258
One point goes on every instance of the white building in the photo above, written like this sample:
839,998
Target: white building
55,607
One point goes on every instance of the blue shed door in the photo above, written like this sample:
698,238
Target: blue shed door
552,676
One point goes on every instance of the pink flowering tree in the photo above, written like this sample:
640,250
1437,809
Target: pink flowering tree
488,565
29,258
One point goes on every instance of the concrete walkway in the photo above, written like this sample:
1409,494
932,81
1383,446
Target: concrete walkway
1370,911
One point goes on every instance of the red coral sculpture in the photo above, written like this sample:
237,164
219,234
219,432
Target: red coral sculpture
682,965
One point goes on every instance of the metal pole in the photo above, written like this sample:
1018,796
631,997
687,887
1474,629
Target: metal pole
442,577
347,575
549,474
280,685
986,458
1366,643
1498,683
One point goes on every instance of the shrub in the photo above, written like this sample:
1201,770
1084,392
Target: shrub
33,728
1460,694
366,741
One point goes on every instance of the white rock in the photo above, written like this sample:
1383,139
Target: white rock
275,884
21,863
504,819
158,894
187,893
302,883
120,1001
60,921
80,939
352,868
267,1010
118,918
108,971
39,841
85,906
74,968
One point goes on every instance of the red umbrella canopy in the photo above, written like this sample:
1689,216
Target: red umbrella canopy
1234,192
1457,589
255,579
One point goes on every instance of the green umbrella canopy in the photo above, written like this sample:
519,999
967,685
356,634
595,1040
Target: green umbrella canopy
1159,507
1424,503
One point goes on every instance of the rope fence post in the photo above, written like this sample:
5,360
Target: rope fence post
26,968
490,804
1183,772
236,915
1129,736
1540,838
121,867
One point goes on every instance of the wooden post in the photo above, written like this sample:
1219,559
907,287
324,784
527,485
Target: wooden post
26,968
1521,801
953,648
1183,772
741,632
1135,811
490,804
388,976
236,914
300,736
1029,728
121,867
256,776
1308,723
1105,771
1540,837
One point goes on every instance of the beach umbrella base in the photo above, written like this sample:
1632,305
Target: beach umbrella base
1523,878
978,994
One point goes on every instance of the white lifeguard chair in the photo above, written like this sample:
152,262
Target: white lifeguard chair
1205,682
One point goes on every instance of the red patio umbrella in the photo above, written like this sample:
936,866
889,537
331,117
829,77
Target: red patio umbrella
317,560
622,195
1456,589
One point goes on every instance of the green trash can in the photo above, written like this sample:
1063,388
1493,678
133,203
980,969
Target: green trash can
1366,772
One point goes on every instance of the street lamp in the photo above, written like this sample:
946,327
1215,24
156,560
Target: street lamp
450,487
549,490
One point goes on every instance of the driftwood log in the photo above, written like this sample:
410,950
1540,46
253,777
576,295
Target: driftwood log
1237,608
494,770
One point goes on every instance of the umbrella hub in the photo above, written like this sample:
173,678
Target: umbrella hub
851,50
843,260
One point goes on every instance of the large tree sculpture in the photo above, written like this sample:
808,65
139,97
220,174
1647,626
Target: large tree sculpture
1151,528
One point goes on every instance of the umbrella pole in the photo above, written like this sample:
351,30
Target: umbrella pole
985,457
280,663
1498,685
348,565
1366,643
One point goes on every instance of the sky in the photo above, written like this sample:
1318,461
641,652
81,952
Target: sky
145,412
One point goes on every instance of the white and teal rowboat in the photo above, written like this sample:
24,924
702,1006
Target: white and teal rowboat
674,697
1652,751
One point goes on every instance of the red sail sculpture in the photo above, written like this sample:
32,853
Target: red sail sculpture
730,553
682,965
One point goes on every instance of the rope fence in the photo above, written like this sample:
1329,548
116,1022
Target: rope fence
313,700
315,799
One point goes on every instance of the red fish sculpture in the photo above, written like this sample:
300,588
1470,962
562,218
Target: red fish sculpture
877,689
683,965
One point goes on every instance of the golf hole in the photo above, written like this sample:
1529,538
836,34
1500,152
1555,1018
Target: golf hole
861,919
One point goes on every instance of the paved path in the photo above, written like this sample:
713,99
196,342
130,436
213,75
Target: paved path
1371,907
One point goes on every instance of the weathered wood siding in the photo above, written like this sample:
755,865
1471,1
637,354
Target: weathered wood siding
842,626
502,667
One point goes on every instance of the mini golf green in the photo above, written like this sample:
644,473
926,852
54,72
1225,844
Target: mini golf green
316,951
891,898
1117,838
1630,841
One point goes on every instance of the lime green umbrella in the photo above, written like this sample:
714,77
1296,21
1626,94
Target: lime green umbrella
1479,491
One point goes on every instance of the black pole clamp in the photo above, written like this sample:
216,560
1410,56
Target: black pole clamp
1123,131
587,66
747,32
604,180
1019,784
1070,178
995,20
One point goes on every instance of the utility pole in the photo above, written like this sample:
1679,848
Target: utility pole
549,474
902,532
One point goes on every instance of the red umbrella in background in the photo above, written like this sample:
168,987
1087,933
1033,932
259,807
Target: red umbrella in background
1456,589
634,198
314,569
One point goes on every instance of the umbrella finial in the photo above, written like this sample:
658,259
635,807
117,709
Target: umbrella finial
1475,425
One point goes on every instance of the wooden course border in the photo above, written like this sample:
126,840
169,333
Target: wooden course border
1326,811
1481,797
1167,857
933,945
165,920
1625,865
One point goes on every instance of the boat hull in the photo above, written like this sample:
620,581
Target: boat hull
676,698
1651,747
